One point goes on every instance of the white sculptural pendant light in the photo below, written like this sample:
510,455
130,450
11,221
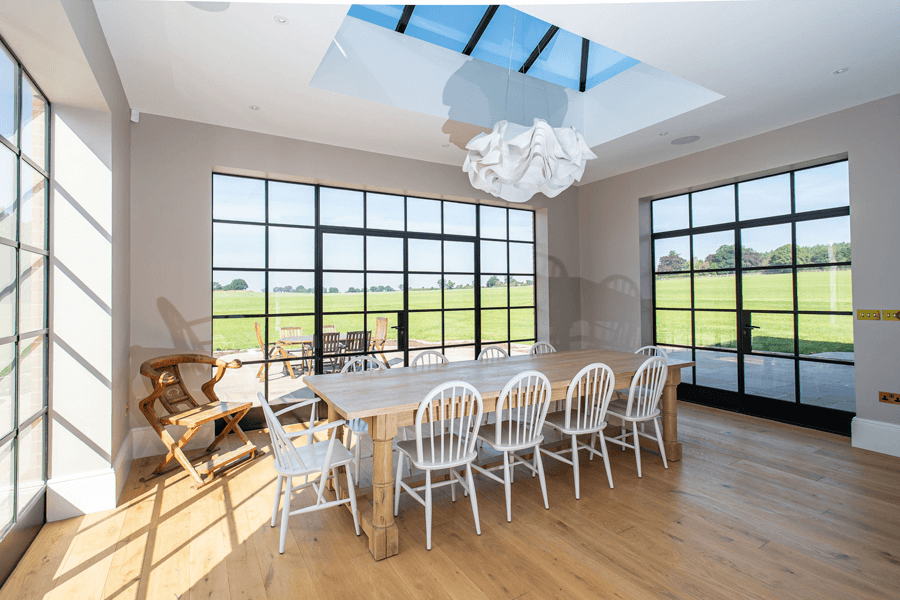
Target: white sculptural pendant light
514,162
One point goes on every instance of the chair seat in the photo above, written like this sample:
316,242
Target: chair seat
408,447
618,408
313,457
527,433
198,415
557,420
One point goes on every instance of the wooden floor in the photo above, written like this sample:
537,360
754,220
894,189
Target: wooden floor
755,510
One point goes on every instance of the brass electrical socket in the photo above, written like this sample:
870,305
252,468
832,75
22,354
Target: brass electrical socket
868,315
889,397
891,315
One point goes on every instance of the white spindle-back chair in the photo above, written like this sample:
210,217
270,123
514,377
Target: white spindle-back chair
429,357
523,402
317,459
587,401
652,351
541,348
447,423
492,352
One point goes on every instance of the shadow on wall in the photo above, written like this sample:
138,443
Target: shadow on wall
617,299
561,288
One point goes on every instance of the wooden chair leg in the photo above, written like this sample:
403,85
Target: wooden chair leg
176,452
229,426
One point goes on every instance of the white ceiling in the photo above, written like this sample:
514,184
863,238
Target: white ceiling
772,60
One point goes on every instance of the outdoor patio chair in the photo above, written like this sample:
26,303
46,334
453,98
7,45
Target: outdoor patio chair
276,351
380,338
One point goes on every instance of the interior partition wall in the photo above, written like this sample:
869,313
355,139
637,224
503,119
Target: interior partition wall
752,281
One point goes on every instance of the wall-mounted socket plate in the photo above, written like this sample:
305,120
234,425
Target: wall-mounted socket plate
891,315
889,397
868,315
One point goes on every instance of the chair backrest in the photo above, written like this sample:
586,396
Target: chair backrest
328,329
588,397
652,351
492,352
381,327
290,332
361,364
647,387
357,341
542,348
451,409
285,452
525,399
259,337
429,357
331,342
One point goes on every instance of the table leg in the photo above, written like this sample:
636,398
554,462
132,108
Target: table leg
384,538
670,418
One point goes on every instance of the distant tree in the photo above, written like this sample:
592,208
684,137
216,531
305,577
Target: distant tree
450,285
276,290
217,287
780,255
388,288
672,262
381,288
494,281
352,290
333,290
301,290
237,285
441,283
374,288
751,258
722,259
287,289
400,287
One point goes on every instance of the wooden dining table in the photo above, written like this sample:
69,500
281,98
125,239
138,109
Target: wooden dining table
388,399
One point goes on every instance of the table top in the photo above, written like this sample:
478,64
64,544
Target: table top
400,390
303,339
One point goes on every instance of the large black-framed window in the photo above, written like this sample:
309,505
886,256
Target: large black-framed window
24,291
314,257
752,281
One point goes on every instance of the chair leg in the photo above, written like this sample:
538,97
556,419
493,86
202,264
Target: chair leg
452,485
358,455
539,466
352,491
470,482
507,475
637,446
606,459
575,466
593,445
428,510
623,435
397,487
662,449
285,513
277,498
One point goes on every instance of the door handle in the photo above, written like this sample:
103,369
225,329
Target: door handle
750,327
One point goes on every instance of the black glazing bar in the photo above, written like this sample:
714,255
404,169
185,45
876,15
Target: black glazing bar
585,48
479,31
405,17
539,48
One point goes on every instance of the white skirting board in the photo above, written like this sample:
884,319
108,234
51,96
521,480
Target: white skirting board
877,436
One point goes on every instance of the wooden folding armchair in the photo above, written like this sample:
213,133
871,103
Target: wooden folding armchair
380,338
182,409
277,351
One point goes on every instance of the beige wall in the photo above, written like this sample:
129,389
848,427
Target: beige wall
610,231
171,213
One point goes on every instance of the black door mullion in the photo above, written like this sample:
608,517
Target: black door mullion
739,291
796,299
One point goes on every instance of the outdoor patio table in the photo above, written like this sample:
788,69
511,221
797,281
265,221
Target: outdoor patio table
388,400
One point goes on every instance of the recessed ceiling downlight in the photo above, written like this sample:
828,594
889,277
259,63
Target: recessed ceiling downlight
281,20
840,71
688,139
254,107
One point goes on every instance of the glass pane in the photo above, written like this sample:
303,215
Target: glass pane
521,225
769,377
425,291
767,197
8,190
282,329
34,124
521,291
343,208
711,207
459,257
459,291
423,215
344,323
673,291
32,372
445,26
673,327
457,353
239,198
31,463
715,329
342,292
292,248
762,246
670,214
521,258
8,277
424,255
823,241
459,218
383,15
292,203
33,208
493,222
342,252
9,75
831,386
385,291
384,254
494,325
560,61
425,329
714,250
522,348
498,42
672,254
493,291
714,290
687,374
291,292
32,292
717,370
493,257
825,289
7,483
239,246
459,327
768,290
7,388
384,212
236,338
826,336
605,63
827,186
521,323
239,292
775,333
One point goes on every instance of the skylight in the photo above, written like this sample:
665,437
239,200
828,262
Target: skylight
504,37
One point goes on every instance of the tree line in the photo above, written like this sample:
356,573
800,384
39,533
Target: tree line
239,285
723,258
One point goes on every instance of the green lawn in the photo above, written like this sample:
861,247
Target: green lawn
239,334
816,290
